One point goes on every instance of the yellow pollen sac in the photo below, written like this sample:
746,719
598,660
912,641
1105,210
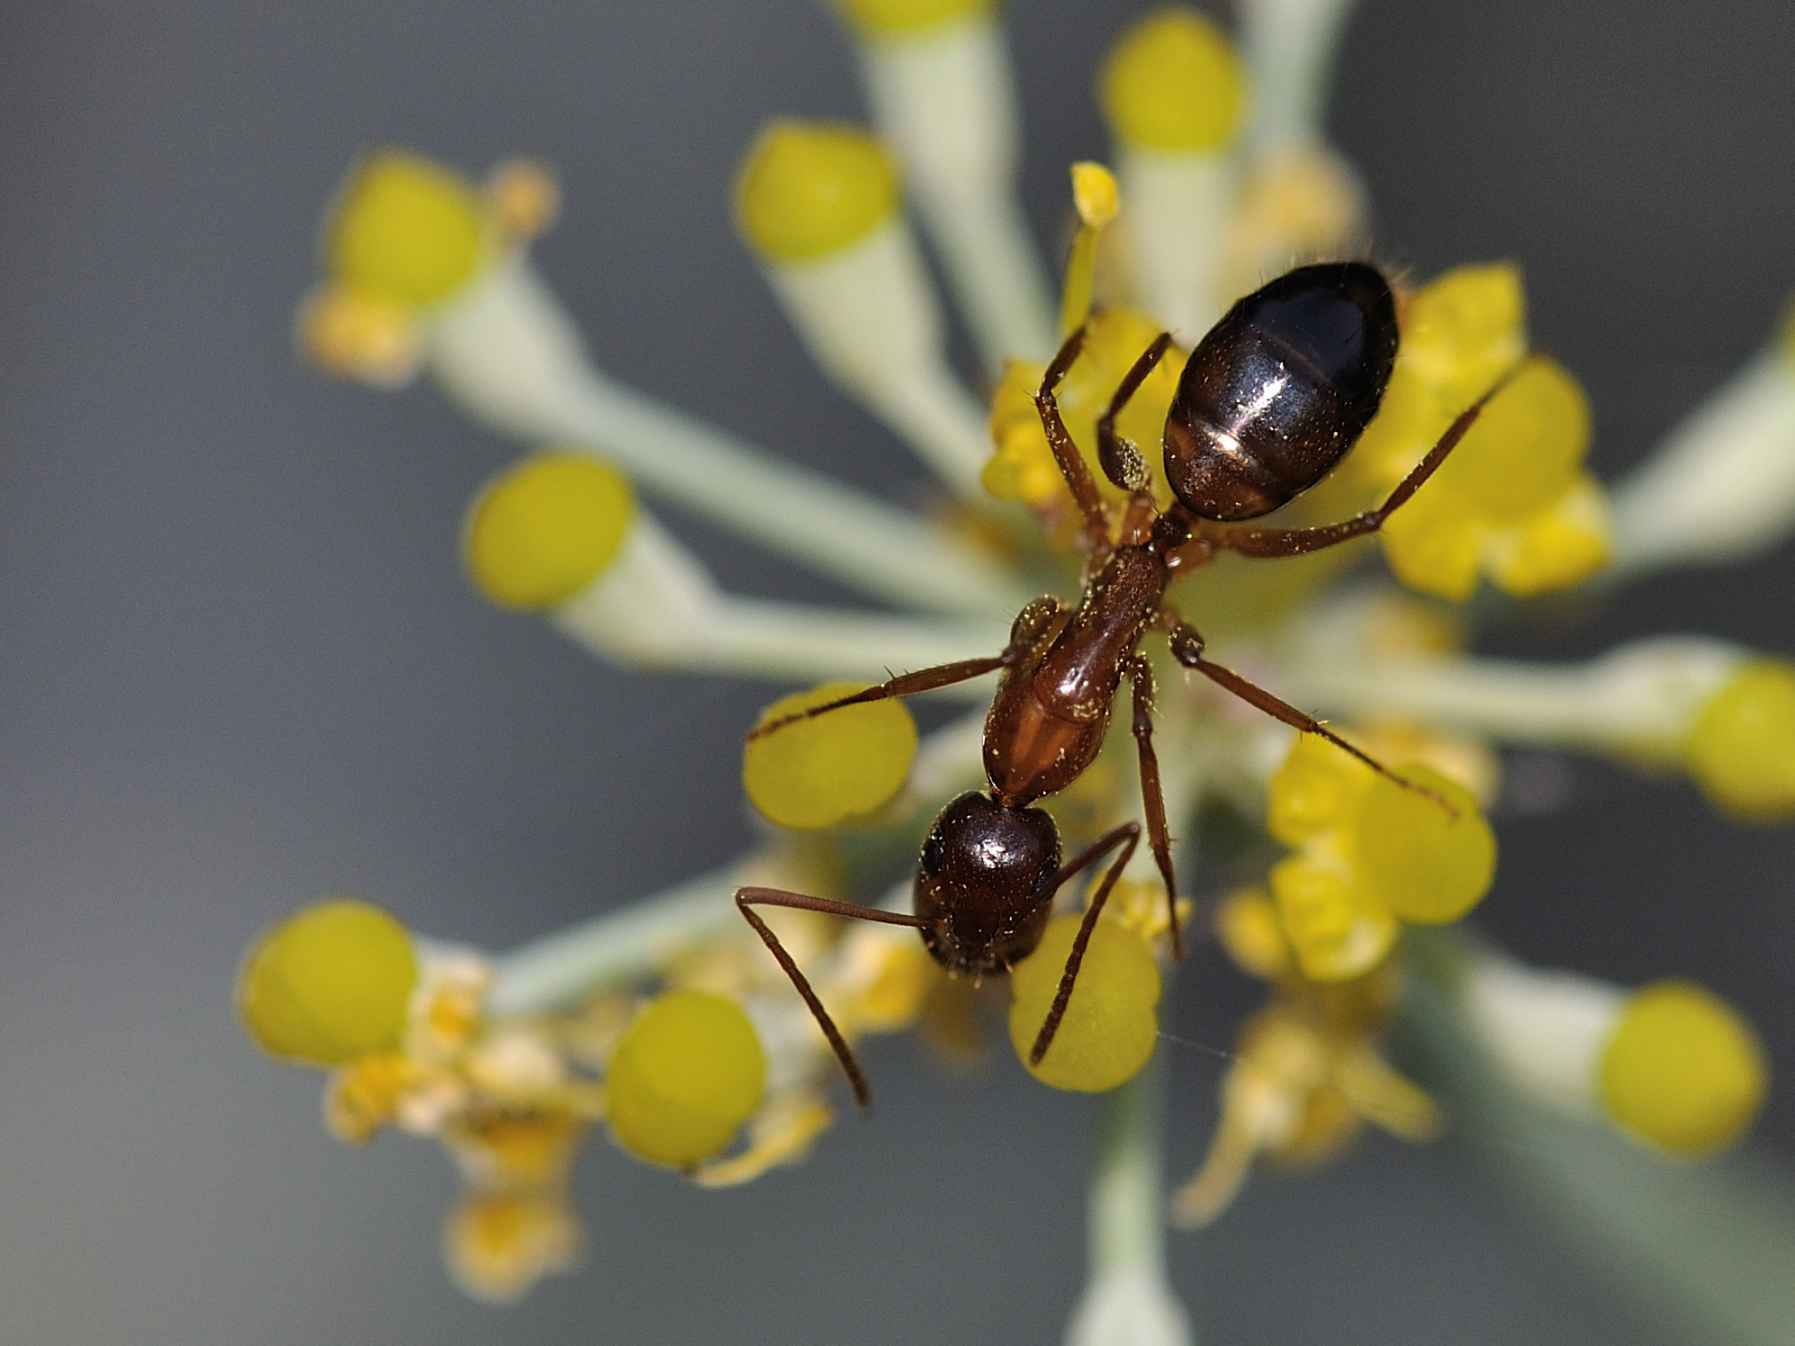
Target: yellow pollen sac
1741,750
1111,1022
1462,329
1435,544
1335,928
1428,866
1097,199
545,528
1568,541
351,334
405,229
809,189
1247,924
1317,788
364,1096
1681,1070
517,1150
1526,447
1095,194
524,198
688,1071
1172,83
907,18
329,984
1023,468
1296,202
819,772
499,1244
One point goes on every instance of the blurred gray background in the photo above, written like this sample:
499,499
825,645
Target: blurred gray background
241,668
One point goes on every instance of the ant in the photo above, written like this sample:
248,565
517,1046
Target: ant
1269,401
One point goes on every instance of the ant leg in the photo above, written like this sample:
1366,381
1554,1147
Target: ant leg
1121,458
1300,541
905,684
1030,627
1140,678
1127,836
1187,649
1065,452
746,899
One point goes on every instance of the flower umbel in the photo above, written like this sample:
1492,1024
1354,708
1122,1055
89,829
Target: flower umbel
667,1021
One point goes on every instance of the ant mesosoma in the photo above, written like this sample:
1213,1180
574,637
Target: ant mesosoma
1269,401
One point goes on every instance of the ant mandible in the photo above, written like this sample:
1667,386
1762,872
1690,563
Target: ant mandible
1269,401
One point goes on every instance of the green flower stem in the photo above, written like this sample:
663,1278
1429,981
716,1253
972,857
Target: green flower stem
1702,1246
508,353
941,421
1290,47
625,946
1720,487
1127,1301
991,260
780,641
617,947
1127,1217
1639,700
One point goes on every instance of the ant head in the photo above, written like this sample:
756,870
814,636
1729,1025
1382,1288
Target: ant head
984,883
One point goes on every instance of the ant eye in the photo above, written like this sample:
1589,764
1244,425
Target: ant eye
934,854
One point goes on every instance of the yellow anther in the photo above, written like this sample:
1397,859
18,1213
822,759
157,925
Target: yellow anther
1247,924
1300,1086
1111,1022
1172,82
357,335
517,1150
1427,865
1336,932
809,189
1023,467
1140,905
1681,1070
686,1074
891,977
1469,761
1741,749
364,1095
499,1244
902,18
782,1134
819,772
1370,853
1095,194
449,1008
1435,545
1563,544
405,229
1316,789
329,984
1463,329
545,528
524,197
1512,501
1299,202
1381,1094
1097,199
1526,448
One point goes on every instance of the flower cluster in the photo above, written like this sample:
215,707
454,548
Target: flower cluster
667,1021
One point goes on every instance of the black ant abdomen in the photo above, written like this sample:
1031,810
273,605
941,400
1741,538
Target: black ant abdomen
1279,389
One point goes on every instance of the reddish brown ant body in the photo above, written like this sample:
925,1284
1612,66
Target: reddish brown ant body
1269,401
